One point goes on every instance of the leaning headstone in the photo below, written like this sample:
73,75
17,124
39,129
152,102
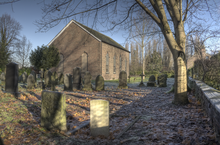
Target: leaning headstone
24,77
99,83
151,82
123,80
48,78
30,82
162,80
67,82
87,86
53,110
99,117
76,78
11,79
61,79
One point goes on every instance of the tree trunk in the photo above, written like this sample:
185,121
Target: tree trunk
180,88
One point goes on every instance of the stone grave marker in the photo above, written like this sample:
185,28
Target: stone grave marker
61,79
48,78
53,110
99,117
11,79
99,83
41,74
87,86
3,76
34,75
162,80
76,78
123,80
141,83
55,75
151,82
30,82
24,77
53,82
67,82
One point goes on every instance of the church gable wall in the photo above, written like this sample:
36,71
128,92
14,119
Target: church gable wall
73,44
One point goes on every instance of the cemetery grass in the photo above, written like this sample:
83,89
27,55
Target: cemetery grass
160,121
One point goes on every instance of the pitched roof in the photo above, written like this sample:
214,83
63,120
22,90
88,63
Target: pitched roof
93,33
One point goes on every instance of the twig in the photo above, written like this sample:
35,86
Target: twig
127,127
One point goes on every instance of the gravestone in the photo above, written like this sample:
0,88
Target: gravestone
76,78
99,117
55,75
87,85
30,82
141,83
48,78
45,72
53,110
61,79
99,83
24,77
3,76
123,80
162,80
34,75
20,79
41,74
53,82
67,82
151,82
11,79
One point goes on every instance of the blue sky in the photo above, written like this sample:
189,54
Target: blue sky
26,12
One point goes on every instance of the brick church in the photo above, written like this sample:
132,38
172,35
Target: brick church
81,46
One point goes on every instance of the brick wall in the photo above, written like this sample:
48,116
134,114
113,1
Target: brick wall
111,50
72,43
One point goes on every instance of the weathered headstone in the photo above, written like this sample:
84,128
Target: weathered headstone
20,79
55,75
141,83
87,86
99,83
162,80
76,78
61,78
48,78
11,79
53,110
34,75
123,80
3,76
24,77
30,82
151,82
53,82
41,74
99,117
67,82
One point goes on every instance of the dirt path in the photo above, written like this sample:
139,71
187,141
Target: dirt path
159,122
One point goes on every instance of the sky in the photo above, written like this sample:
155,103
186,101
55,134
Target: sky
26,12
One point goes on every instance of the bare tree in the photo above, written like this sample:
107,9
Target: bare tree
22,51
169,15
9,28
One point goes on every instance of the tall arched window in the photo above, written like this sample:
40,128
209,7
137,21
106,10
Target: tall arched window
114,64
84,62
120,61
61,64
107,63
126,65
